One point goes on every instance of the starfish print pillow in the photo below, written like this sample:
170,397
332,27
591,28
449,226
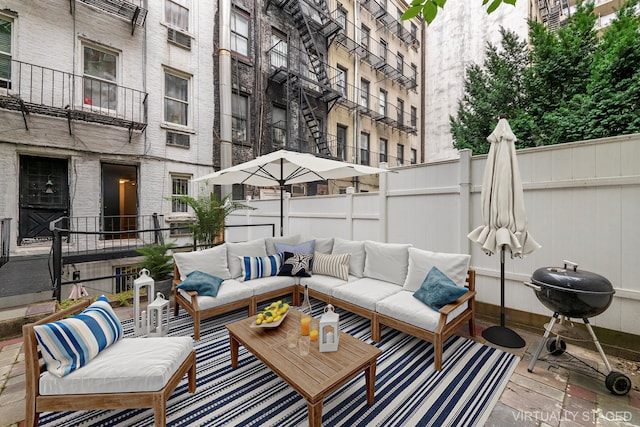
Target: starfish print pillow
298,265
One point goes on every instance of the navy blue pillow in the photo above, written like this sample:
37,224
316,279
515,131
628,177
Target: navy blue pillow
203,283
298,265
438,290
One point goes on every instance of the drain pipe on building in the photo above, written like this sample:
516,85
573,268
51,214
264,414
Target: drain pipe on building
224,68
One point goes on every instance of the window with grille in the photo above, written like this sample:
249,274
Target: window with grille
382,102
179,187
100,78
342,81
178,139
239,117
414,74
364,148
279,49
414,117
364,93
400,109
400,155
364,37
176,99
383,149
341,19
5,53
279,127
400,63
240,33
383,50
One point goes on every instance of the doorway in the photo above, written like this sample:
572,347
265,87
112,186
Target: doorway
119,200
43,197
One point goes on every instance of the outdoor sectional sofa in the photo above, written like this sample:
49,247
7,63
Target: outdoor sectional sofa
375,280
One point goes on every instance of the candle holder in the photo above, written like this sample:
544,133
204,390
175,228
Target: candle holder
329,330
158,317
140,317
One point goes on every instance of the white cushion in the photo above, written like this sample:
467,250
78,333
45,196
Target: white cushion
356,249
268,284
230,291
212,261
324,245
234,250
454,266
270,242
405,307
324,284
386,261
130,365
365,292
336,265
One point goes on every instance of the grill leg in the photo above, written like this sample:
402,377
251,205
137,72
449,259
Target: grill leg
545,337
597,343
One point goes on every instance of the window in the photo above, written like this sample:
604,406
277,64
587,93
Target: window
414,32
400,63
178,139
383,50
364,148
279,128
341,142
414,74
364,37
176,99
400,155
179,187
414,156
279,49
341,19
342,81
239,33
414,117
99,80
5,53
240,116
176,14
364,93
400,109
383,150
382,109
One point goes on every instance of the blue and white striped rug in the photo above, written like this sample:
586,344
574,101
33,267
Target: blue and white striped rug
409,392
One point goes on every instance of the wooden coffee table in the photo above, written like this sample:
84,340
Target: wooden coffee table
314,376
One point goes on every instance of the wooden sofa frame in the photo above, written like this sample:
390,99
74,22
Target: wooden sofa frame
35,403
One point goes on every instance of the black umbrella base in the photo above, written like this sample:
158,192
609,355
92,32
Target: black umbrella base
503,336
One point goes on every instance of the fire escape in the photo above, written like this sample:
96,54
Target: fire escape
311,21
34,89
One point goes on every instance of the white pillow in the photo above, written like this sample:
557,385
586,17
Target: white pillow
212,261
454,266
324,245
270,242
356,249
251,248
386,261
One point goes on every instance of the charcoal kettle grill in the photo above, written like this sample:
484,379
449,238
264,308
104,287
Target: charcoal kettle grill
572,293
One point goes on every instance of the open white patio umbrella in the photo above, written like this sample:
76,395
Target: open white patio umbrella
287,167
504,218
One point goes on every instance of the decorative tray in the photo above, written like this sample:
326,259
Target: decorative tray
268,325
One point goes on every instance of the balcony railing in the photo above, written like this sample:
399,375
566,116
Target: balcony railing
41,90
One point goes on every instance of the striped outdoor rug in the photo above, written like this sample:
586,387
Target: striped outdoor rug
409,392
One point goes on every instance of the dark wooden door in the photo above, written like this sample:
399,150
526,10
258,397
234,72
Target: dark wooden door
44,196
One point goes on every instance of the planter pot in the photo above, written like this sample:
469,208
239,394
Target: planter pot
164,287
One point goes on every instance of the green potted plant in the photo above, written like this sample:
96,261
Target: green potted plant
160,266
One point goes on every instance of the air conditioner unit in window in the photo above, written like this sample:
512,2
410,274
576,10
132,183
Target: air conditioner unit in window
179,38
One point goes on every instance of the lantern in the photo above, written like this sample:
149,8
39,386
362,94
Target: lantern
140,318
329,330
158,317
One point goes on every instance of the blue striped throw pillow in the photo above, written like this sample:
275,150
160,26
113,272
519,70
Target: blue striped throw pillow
69,344
255,267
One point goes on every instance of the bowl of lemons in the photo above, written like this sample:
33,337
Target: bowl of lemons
272,315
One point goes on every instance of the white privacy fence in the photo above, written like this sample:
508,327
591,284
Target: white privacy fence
582,201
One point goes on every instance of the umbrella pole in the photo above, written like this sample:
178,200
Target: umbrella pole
501,335
281,182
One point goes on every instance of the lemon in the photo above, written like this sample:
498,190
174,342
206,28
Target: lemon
278,317
269,319
258,321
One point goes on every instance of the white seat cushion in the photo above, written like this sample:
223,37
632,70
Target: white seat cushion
405,307
267,284
365,292
230,291
130,365
323,283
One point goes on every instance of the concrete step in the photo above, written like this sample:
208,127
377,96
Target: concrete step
12,318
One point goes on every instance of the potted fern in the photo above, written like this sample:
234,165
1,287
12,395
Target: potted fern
160,266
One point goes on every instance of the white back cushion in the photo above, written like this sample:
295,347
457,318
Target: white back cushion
356,249
386,261
270,242
251,248
455,266
211,261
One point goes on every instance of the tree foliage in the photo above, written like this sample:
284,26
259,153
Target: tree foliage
568,86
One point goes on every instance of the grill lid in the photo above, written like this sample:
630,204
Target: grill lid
569,278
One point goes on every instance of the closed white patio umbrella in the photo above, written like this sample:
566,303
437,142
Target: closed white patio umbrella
504,218
287,167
